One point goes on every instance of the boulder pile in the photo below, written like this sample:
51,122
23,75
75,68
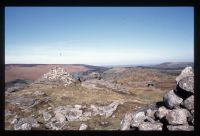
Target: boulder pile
57,75
175,112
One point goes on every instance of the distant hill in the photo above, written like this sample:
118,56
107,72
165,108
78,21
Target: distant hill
34,71
170,65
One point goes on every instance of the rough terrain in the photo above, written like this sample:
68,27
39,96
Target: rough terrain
60,100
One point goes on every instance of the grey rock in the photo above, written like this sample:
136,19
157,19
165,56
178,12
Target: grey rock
185,73
73,114
60,117
149,119
14,89
177,117
47,116
150,126
83,127
189,103
150,113
104,110
180,127
187,84
26,126
162,112
55,126
39,93
126,121
31,121
138,118
171,100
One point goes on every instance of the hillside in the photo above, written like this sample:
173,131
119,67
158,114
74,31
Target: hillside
99,100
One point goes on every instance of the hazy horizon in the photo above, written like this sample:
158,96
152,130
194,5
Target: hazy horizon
99,35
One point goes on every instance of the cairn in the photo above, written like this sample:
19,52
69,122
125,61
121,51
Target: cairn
57,75
174,113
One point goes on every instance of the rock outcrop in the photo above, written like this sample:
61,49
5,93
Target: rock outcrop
176,111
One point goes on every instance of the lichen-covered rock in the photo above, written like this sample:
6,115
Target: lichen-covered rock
185,73
171,100
162,112
177,117
126,121
189,103
180,127
187,84
138,118
150,126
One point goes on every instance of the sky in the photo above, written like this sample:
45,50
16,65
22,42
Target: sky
98,35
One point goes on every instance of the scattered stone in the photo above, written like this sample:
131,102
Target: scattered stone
180,127
26,126
150,126
39,93
14,89
55,126
49,108
31,121
47,116
83,127
104,110
138,118
126,121
73,114
60,117
78,106
104,123
171,100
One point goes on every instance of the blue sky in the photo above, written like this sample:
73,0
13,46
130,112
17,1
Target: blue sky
98,35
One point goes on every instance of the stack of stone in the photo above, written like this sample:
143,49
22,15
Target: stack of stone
175,112
57,74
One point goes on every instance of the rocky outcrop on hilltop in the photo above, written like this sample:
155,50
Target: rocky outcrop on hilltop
57,75
175,112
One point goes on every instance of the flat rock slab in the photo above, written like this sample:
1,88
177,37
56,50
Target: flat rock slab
150,126
180,127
